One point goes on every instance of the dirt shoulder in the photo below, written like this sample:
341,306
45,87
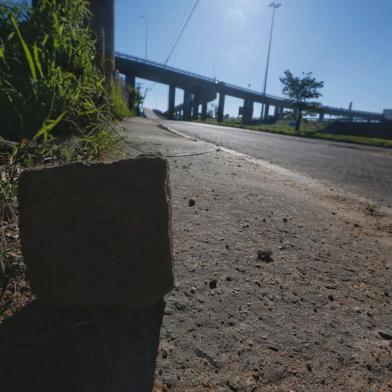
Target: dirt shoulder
316,317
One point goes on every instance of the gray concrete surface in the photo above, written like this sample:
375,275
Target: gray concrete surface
315,318
364,171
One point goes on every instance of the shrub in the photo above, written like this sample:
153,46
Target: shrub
135,99
49,81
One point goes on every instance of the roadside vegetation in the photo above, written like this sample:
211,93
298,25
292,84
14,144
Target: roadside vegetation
50,83
301,90
122,100
55,104
309,129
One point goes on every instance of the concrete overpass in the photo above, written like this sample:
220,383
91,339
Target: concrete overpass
199,90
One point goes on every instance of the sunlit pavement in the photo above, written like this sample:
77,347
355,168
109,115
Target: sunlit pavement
362,170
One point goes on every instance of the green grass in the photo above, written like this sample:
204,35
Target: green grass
309,129
370,141
119,104
50,83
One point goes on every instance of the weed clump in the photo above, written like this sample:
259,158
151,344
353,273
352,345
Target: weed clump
119,100
50,83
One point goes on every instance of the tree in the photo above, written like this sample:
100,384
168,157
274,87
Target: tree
135,99
300,90
212,110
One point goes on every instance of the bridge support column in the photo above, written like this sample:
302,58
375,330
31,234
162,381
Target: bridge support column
221,107
204,111
196,107
130,81
187,104
321,117
266,112
277,112
172,100
248,111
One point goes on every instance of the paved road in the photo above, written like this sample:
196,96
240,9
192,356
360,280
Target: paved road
365,171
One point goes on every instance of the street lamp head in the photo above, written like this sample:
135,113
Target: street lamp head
275,5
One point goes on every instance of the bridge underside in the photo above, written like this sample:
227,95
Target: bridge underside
200,90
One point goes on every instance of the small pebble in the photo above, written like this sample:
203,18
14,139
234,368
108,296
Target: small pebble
213,283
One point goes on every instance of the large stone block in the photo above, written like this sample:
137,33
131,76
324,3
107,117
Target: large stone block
99,234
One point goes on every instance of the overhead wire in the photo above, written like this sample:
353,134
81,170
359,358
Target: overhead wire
177,32
182,30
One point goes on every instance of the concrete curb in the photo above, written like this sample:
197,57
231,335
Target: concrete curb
216,146
177,133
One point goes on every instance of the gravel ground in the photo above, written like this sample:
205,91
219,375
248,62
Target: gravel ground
281,283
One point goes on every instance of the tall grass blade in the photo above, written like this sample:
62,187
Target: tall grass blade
26,50
37,60
47,126
2,55
45,40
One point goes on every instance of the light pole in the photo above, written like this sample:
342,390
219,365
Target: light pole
274,6
145,36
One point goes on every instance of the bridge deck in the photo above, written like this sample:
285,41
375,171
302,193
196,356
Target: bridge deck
166,74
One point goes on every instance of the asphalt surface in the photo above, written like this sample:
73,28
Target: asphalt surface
362,170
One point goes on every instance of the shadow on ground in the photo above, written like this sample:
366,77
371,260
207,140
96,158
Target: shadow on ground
52,349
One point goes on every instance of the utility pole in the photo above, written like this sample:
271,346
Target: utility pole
274,6
102,23
145,36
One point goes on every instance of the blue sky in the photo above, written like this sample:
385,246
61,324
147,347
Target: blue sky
345,43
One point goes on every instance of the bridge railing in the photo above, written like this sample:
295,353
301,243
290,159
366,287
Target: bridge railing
164,67
250,91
